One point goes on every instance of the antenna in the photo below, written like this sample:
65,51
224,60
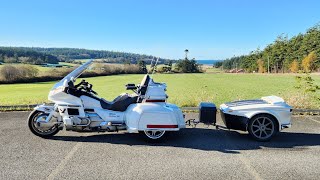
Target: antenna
155,66
151,64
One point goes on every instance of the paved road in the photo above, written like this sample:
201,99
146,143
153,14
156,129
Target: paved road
201,153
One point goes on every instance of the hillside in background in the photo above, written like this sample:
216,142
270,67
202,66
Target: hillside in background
301,52
26,56
37,55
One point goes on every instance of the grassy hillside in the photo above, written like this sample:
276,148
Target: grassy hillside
183,89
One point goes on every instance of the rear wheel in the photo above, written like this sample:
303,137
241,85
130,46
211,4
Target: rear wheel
152,135
34,122
262,127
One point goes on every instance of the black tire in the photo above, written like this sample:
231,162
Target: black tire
146,138
51,132
263,127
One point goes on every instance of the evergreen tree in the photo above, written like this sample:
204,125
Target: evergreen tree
142,66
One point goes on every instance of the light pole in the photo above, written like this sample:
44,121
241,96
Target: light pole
268,64
186,51
235,63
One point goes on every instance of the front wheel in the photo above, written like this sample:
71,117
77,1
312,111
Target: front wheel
39,128
152,135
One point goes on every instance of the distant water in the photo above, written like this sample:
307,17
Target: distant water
208,62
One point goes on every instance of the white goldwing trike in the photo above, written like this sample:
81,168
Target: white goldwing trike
77,108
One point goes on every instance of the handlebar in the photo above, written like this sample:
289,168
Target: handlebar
83,85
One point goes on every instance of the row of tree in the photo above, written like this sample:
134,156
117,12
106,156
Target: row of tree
36,55
301,52
67,54
26,56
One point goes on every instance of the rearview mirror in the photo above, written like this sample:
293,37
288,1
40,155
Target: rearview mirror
65,83
131,87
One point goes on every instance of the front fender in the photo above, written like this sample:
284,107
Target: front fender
44,108
49,110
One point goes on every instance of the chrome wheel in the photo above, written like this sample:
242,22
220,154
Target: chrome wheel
39,126
154,134
262,128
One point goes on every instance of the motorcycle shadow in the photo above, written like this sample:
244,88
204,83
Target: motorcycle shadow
205,139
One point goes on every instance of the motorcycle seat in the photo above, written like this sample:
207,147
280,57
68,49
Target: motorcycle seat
120,103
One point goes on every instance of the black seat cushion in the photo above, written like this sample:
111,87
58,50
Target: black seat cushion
121,103
144,85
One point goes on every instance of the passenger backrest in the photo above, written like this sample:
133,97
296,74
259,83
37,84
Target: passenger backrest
144,85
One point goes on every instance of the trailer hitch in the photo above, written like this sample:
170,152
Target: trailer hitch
192,122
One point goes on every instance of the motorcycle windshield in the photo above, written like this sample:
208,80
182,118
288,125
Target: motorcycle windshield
74,74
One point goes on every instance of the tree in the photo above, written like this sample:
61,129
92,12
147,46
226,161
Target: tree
261,68
294,67
1,58
309,62
142,66
218,64
169,66
127,62
188,66
279,55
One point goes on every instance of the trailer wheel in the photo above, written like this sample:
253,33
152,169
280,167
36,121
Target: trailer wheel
262,127
152,135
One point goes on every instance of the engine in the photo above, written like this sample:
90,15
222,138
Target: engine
92,122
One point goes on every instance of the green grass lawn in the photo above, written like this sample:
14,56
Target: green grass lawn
183,89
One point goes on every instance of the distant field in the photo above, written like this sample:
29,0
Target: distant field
213,70
45,69
183,89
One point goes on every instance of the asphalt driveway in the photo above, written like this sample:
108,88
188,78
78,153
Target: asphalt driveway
193,153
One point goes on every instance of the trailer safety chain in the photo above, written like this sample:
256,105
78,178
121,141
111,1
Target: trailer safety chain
194,122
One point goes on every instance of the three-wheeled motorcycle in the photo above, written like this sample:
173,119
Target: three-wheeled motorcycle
78,108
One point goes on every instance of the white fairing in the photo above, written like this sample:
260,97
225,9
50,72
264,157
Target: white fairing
90,103
272,105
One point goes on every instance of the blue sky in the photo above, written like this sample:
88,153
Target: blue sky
215,29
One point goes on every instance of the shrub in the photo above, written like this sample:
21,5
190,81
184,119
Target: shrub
12,73
28,71
9,73
55,72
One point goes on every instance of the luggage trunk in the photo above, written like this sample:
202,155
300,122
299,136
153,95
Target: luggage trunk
207,113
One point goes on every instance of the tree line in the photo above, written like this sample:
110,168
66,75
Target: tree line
25,73
36,55
299,53
25,56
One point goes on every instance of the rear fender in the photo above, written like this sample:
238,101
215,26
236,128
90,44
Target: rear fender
144,116
251,114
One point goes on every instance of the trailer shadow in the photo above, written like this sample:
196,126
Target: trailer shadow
207,140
